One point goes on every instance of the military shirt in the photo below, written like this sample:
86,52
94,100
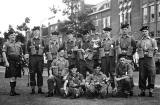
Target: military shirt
125,69
126,41
96,78
12,48
75,79
108,44
147,43
35,42
61,64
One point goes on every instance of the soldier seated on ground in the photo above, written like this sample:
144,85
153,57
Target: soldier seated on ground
124,78
74,83
60,71
96,83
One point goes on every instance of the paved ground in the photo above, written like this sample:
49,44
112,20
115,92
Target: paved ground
26,99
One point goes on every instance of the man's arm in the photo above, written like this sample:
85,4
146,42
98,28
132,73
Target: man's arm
133,44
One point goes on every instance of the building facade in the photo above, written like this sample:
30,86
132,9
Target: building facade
113,13
150,13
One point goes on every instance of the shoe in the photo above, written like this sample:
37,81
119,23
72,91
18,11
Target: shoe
131,93
126,95
49,94
16,93
142,94
33,91
150,94
40,91
12,93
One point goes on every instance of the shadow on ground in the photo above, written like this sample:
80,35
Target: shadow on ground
26,99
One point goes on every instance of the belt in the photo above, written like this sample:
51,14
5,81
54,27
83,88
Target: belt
146,52
124,51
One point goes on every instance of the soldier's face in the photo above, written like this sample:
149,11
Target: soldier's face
108,33
36,33
122,61
12,37
74,70
125,31
145,32
61,53
97,69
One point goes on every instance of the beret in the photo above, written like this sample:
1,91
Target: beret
107,29
144,28
124,26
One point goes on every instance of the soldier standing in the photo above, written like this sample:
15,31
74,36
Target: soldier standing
11,53
124,77
74,83
126,45
36,50
60,71
69,48
147,47
96,83
86,62
108,56
52,50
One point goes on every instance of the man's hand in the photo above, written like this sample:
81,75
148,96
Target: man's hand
114,90
7,64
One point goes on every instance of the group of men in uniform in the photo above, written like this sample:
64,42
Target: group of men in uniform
86,66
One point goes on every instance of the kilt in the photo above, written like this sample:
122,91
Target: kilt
14,69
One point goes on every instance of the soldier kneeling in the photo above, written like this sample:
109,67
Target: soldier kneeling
96,84
73,83
124,78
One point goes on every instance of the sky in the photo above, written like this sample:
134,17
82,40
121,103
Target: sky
13,12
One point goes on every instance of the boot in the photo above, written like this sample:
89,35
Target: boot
40,91
33,90
49,94
150,92
12,89
142,94
15,93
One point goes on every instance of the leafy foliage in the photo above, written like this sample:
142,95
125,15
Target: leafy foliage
23,26
82,26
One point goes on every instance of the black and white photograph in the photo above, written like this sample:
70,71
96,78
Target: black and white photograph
80,52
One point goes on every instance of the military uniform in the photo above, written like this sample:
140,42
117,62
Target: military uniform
74,89
51,53
107,55
55,82
71,54
12,52
146,50
36,49
125,86
86,63
126,45
96,85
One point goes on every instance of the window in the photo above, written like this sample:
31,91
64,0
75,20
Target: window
108,21
99,22
158,12
145,17
104,22
152,14
96,22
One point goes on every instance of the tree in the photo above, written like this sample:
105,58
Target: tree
23,26
83,25
78,23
